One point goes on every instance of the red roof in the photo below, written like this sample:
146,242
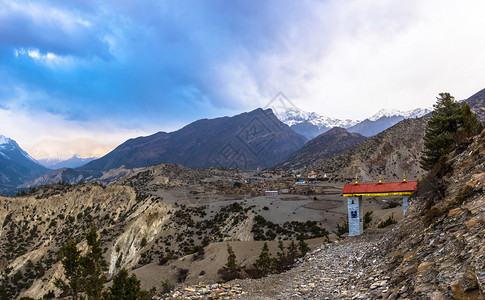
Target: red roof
384,187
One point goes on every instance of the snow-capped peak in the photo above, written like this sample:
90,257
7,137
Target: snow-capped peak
414,113
7,145
4,140
295,116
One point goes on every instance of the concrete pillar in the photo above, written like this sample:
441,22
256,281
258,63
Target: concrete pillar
405,204
356,220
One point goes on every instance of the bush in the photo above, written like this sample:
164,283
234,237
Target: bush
167,287
342,229
367,219
182,275
387,222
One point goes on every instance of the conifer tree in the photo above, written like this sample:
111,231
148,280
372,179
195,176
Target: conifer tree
450,122
292,252
282,261
71,261
94,265
126,288
303,246
265,263
232,269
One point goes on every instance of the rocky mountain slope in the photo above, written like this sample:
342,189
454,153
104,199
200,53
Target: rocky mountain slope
390,153
248,141
16,166
477,104
322,147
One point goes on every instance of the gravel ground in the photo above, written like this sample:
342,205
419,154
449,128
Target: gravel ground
333,271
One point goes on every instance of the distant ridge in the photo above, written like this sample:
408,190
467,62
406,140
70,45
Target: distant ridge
310,124
384,119
73,162
322,147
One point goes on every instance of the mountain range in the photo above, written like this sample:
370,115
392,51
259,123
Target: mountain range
257,139
58,163
312,124
251,140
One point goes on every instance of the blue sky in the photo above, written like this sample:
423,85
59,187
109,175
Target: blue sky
83,76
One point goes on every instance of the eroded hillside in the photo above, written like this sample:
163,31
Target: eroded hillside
156,216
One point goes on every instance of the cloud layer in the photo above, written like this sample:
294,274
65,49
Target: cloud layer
136,68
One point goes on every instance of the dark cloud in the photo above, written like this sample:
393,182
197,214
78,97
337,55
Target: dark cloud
123,57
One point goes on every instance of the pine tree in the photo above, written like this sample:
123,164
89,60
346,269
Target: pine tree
292,252
282,261
71,261
126,288
94,266
265,263
302,246
450,122
232,269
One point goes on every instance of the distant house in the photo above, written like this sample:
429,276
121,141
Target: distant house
270,193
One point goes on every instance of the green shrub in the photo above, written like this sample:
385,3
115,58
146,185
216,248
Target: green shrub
387,222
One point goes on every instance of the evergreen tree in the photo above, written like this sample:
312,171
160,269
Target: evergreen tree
292,252
265,263
232,269
94,266
126,287
450,122
71,261
302,246
282,260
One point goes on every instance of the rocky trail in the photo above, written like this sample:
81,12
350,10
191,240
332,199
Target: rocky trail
344,269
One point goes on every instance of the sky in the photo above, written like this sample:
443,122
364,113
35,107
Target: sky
84,76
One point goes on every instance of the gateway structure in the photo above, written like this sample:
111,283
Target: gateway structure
355,191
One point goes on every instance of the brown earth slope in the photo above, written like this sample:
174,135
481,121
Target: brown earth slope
390,153
322,147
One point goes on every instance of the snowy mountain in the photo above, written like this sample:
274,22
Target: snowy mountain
414,113
384,119
73,162
16,166
310,124
293,117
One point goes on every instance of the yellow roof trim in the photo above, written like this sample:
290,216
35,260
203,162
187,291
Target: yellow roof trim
378,194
